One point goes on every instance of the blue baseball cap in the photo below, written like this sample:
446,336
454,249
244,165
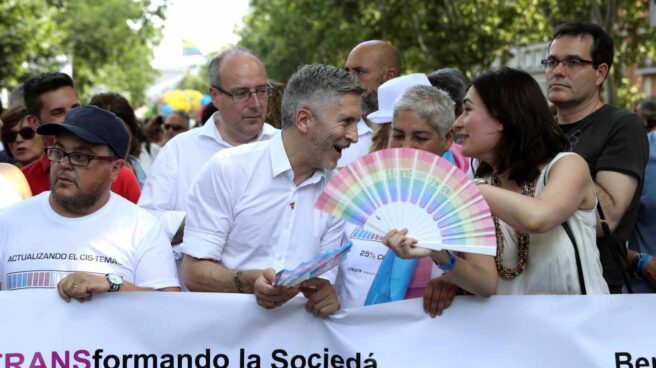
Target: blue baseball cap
93,125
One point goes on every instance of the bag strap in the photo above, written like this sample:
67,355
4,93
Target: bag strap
616,255
579,268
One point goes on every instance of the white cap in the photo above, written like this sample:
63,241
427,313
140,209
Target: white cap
390,91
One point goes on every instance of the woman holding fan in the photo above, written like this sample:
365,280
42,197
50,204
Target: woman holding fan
422,118
542,197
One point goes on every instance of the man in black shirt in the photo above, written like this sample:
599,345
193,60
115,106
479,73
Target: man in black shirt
612,140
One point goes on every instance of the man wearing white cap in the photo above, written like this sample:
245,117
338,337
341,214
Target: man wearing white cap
371,63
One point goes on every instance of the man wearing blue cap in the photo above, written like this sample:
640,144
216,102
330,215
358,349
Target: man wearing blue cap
48,97
89,240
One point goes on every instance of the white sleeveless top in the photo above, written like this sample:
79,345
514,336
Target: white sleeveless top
551,264
8,194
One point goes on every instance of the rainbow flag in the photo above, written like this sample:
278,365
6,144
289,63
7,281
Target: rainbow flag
190,49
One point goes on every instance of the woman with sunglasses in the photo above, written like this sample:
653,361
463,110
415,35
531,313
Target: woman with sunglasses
13,186
176,122
19,137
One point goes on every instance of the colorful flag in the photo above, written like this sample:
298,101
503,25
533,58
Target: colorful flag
190,49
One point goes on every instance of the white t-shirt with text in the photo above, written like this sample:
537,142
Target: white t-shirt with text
39,247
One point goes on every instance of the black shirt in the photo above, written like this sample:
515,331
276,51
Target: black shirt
613,139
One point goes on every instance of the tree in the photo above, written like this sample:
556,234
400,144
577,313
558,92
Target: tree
29,39
466,34
109,42
626,21
287,34
429,35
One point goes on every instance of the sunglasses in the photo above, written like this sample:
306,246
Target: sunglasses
25,132
176,128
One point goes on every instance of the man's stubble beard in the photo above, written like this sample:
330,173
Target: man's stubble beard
369,103
80,202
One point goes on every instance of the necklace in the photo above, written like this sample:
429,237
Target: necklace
522,238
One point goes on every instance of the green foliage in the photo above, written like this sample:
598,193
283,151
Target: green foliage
29,39
288,34
465,34
429,34
626,21
109,42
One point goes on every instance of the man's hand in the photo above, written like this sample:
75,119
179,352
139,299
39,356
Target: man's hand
438,295
322,297
268,295
81,286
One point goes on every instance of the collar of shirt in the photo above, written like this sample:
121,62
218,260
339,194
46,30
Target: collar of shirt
210,130
280,163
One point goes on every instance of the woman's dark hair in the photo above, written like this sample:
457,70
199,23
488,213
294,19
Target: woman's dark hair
531,137
120,106
11,117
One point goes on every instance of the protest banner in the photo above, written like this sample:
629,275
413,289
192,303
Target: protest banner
211,330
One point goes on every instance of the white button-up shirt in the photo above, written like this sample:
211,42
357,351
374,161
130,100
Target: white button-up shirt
165,192
246,212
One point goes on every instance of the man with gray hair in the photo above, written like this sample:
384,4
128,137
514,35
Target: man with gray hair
251,208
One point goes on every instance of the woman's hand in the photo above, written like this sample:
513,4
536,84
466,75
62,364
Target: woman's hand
404,246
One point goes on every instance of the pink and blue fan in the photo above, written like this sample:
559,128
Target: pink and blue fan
406,188
317,266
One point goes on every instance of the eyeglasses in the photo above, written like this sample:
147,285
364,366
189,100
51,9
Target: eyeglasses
241,95
25,132
75,158
176,128
569,63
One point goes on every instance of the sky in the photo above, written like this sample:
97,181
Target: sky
210,24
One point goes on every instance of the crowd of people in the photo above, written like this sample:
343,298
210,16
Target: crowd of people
120,205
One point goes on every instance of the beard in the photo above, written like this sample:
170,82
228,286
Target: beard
369,103
80,202
322,149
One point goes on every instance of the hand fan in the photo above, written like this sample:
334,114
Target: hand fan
312,268
406,188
